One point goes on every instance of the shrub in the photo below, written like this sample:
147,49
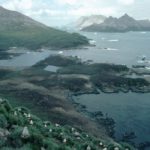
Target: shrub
3,121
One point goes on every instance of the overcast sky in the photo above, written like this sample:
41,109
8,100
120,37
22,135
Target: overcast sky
62,12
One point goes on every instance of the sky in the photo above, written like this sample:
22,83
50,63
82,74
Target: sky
63,12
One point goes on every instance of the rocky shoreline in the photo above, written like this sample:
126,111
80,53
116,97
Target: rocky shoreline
97,117
107,122
47,92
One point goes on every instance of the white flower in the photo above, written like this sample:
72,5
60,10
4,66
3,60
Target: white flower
19,109
72,129
116,148
25,133
64,140
15,113
25,114
42,148
29,116
76,133
101,144
50,130
105,148
61,133
1,100
31,122
57,125
88,148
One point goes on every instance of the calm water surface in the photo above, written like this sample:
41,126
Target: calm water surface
118,48
131,111
51,68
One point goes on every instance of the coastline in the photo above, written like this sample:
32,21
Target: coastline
99,117
42,87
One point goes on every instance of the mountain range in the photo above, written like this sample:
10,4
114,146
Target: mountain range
18,30
111,24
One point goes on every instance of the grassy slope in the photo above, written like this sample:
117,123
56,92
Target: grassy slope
44,135
35,38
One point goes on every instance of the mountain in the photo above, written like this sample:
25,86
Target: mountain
18,30
123,24
86,21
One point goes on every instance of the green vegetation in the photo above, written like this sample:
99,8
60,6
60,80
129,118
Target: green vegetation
58,60
39,38
93,69
108,80
20,130
82,77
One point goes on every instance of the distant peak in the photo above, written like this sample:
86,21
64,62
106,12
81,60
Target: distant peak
127,17
110,16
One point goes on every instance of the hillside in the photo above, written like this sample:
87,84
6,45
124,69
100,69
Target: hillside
123,24
20,130
18,30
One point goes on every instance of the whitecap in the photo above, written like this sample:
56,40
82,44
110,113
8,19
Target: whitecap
92,42
143,32
110,49
60,52
114,40
148,68
140,61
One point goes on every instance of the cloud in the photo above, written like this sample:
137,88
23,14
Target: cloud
60,7
49,10
126,2
67,10
78,8
84,11
70,2
18,4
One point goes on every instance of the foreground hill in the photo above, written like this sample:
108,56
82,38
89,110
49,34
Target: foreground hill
20,130
18,30
122,24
